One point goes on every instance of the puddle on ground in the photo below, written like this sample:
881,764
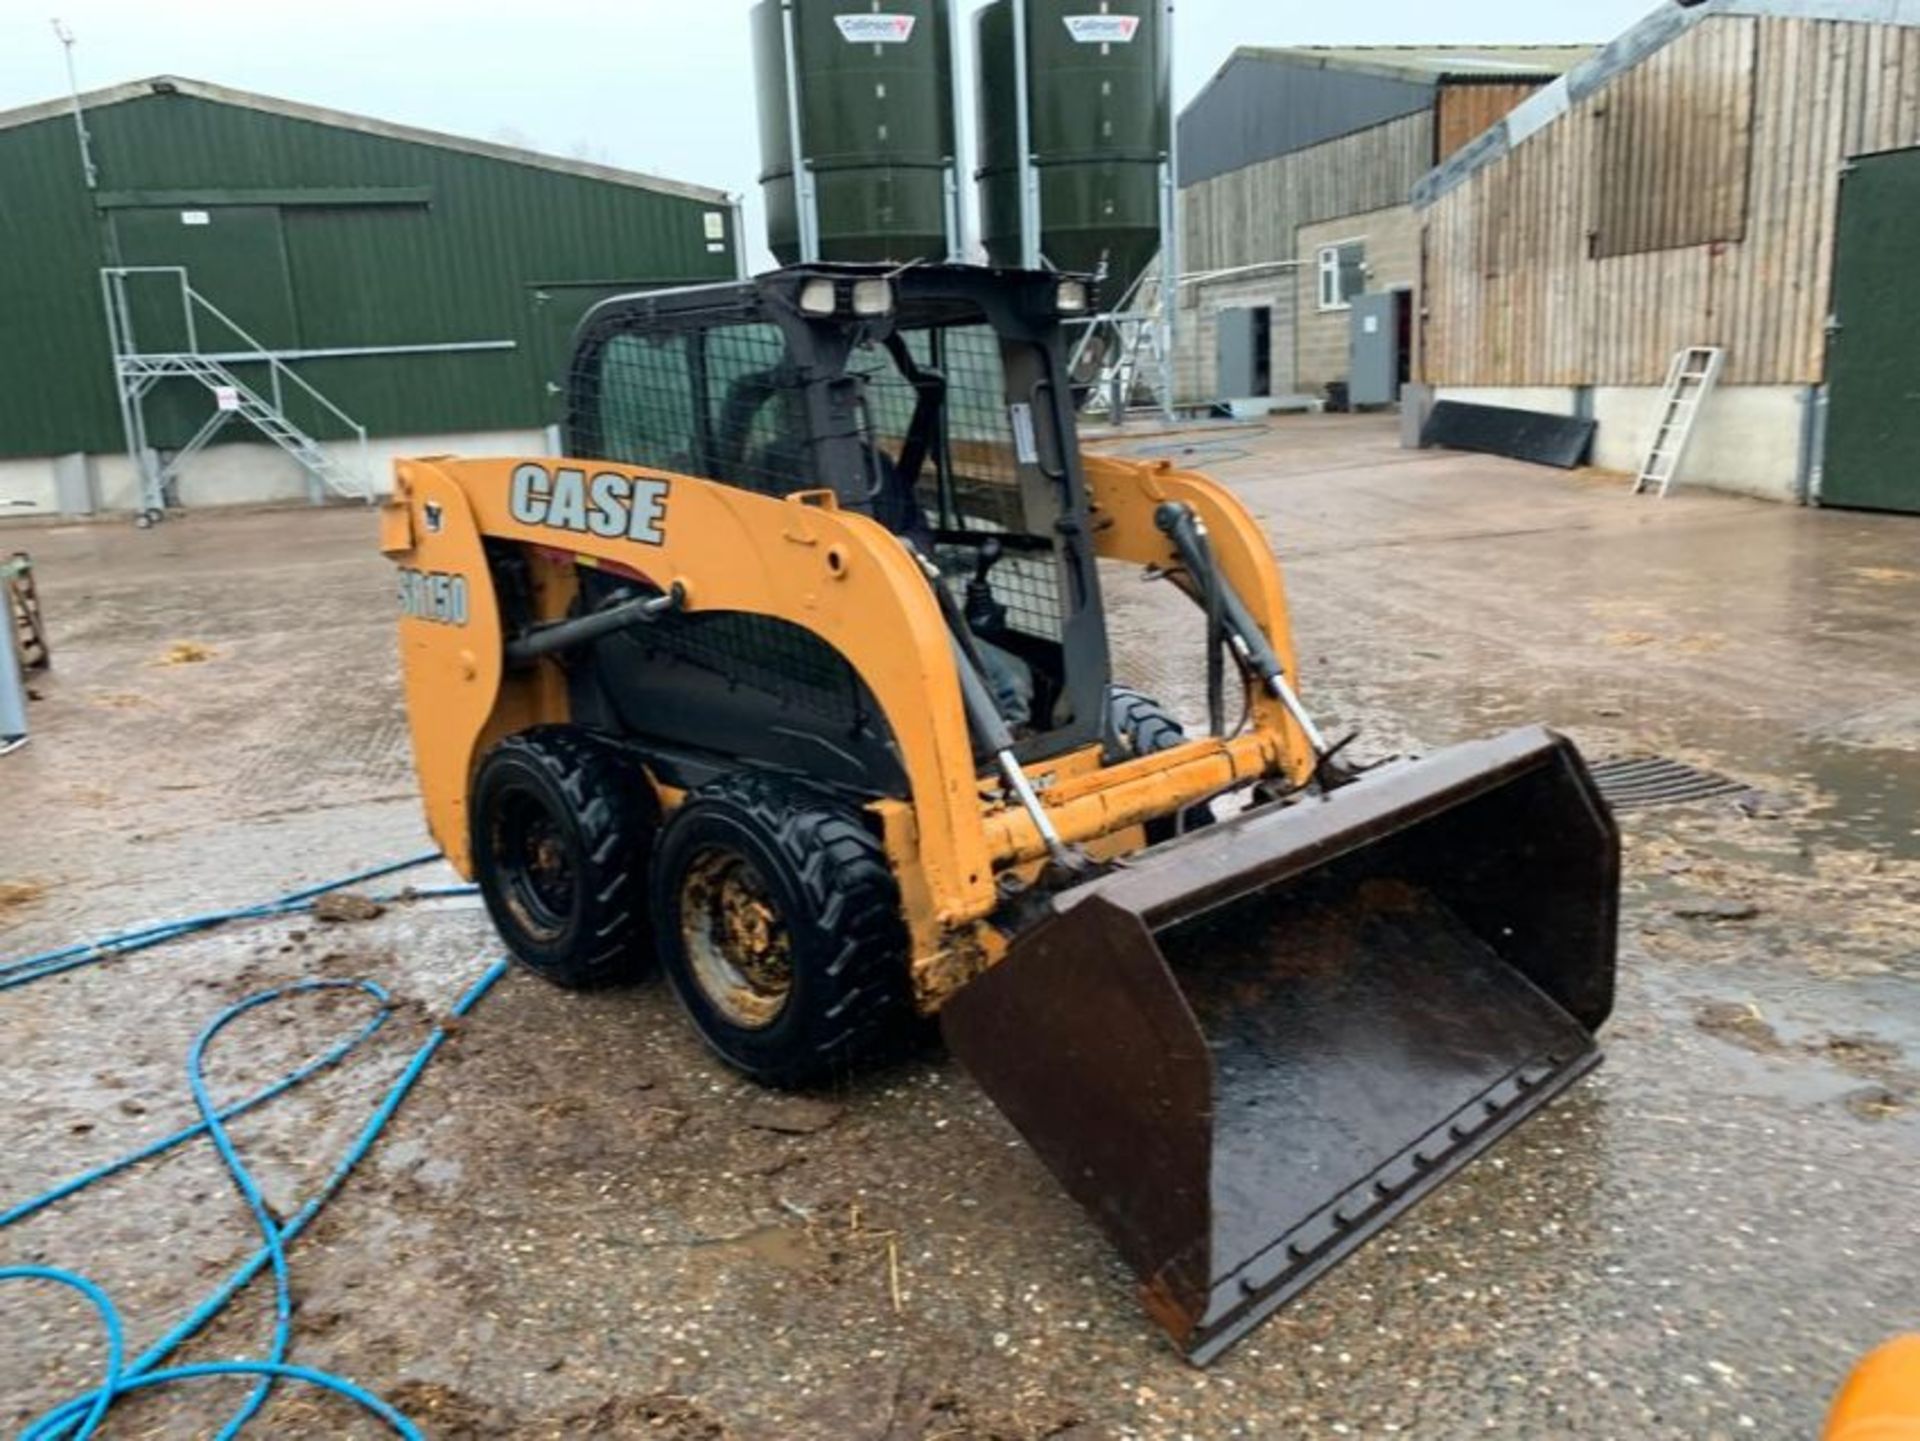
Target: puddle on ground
1813,1042
1873,795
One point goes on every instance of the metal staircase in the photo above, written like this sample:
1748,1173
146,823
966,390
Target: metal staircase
1124,358
1690,380
138,370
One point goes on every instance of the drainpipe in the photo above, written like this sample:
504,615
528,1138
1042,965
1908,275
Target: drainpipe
736,205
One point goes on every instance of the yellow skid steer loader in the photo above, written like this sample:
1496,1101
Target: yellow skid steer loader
794,680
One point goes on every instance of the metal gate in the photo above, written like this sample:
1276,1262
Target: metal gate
1873,364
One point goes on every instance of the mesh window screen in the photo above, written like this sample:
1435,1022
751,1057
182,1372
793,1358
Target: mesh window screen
756,413
722,404
648,415
971,481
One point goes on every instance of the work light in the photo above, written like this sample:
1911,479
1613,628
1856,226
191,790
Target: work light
873,297
818,297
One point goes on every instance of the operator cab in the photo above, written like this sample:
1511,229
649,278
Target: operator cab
933,399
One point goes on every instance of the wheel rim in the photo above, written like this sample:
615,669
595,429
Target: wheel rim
738,949
535,865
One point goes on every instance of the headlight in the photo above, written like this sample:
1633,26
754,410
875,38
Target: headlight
818,297
873,297
1072,299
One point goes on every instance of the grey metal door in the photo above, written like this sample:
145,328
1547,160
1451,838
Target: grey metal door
1375,370
1243,346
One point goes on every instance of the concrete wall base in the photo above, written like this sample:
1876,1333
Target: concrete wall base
242,473
1748,440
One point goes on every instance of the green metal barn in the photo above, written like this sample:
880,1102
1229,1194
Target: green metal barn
231,297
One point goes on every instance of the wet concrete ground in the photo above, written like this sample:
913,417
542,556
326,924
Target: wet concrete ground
581,1225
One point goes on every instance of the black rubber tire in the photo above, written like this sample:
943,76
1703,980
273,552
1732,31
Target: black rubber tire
1143,727
849,1002
599,810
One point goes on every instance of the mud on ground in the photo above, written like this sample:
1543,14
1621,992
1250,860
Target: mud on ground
581,1225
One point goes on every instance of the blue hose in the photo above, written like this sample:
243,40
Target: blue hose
286,1083
117,1383
81,1416
28,969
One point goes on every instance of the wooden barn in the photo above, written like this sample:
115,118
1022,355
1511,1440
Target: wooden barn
1735,174
1297,168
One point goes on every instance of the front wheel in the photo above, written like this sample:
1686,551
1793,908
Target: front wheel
780,929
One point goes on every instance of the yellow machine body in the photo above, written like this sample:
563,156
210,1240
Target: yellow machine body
1881,1400
847,580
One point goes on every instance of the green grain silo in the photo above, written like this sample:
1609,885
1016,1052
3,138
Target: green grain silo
1099,132
872,174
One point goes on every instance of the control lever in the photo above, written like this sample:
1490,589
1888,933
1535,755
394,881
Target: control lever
985,616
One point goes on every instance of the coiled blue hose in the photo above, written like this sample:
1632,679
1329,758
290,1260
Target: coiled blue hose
81,1416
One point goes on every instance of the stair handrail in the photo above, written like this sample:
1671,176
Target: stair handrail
120,327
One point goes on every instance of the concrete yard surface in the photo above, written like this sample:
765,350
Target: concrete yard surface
582,1225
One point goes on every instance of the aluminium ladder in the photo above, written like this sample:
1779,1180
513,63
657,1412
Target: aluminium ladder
1690,380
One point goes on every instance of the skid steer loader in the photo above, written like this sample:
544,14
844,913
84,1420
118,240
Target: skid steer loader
795,680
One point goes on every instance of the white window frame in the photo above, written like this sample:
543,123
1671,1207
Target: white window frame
1330,271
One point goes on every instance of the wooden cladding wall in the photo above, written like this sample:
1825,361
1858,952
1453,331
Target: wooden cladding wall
1250,216
1673,146
1465,112
1514,296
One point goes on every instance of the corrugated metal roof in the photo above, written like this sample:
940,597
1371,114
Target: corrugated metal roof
1429,62
365,125
1653,34
1271,101
1256,111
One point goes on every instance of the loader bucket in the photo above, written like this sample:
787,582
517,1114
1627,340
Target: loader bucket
1253,1048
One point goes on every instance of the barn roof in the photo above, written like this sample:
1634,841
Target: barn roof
1429,62
1264,103
1655,33
365,125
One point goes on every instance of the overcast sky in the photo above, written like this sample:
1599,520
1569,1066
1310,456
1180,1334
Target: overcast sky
659,85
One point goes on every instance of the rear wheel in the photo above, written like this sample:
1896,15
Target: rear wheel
1143,727
780,929
561,829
